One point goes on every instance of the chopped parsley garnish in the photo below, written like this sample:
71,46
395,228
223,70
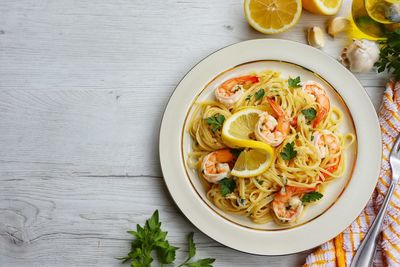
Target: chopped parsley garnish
259,94
311,197
215,122
227,186
309,114
294,83
312,137
288,151
248,97
260,182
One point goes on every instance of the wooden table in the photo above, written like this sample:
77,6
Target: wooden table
83,86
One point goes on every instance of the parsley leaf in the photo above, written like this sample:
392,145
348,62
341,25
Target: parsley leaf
389,57
216,122
311,197
192,252
312,137
259,94
309,114
288,151
227,186
151,238
201,263
294,83
248,97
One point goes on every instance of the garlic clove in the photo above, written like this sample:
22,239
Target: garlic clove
315,37
337,25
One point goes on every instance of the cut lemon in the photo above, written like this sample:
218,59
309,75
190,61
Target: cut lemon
251,162
322,7
272,16
238,130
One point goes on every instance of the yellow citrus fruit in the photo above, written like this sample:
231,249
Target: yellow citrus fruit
272,16
251,162
322,7
238,131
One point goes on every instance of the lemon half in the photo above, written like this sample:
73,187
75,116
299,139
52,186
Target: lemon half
272,16
322,7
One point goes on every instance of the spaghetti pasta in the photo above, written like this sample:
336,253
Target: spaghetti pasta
296,119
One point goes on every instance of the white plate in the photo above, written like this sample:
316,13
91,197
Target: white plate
344,198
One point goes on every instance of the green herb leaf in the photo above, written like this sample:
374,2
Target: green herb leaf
216,122
207,262
288,151
259,94
151,238
311,197
294,83
227,186
260,182
248,97
191,246
309,114
389,58
312,137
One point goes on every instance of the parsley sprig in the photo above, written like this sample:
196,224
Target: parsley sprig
227,186
389,58
311,197
294,83
309,114
288,151
259,94
150,238
215,122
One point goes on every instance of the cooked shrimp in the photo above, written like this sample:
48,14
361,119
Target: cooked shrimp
326,143
229,92
215,166
317,91
287,204
270,130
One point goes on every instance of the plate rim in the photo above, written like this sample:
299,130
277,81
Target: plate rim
166,172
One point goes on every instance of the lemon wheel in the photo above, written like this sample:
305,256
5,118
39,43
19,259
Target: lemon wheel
272,16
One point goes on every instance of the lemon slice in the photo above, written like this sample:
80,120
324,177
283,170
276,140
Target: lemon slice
272,16
322,7
238,130
252,162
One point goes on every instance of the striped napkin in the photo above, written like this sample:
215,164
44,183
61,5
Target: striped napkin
340,250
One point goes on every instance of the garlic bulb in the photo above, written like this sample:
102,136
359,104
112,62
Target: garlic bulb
360,56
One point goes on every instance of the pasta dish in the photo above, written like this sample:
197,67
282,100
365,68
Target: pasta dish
266,146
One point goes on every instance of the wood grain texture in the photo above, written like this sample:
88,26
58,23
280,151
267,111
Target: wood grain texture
83,85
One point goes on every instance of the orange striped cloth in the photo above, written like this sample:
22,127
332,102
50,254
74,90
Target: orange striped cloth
340,250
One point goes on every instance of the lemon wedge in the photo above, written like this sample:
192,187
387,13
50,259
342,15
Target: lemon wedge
238,131
252,162
322,7
272,16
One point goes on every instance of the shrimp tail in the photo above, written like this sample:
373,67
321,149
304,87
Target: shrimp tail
320,116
